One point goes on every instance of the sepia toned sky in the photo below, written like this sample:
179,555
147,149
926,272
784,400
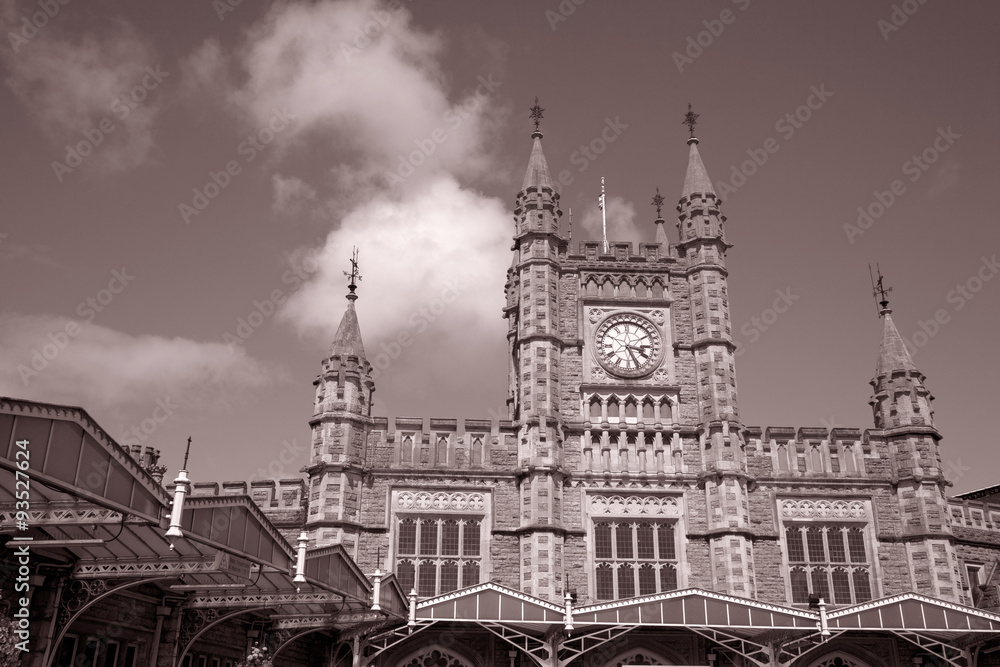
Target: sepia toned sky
181,185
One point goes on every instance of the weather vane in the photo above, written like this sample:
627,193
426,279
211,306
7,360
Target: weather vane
690,119
878,289
536,114
354,275
658,203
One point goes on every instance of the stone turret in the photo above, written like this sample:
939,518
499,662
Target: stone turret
536,348
340,425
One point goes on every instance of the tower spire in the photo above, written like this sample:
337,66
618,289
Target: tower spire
537,175
892,355
661,232
347,340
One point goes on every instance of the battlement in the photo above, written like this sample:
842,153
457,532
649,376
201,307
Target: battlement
442,442
811,449
434,425
620,251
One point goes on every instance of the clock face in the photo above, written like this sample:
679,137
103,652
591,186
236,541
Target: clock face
627,345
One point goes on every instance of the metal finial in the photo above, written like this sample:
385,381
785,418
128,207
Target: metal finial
690,119
879,291
536,114
186,452
354,275
658,203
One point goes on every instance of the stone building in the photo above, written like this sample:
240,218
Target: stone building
623,514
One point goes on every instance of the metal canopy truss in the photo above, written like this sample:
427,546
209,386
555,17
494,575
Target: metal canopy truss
328,621
950,654
573,647
791,650
379,644
758,654
259,600
534,647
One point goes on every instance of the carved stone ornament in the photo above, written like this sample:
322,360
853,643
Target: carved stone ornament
823,509
440,501
634,505
595,315
656,316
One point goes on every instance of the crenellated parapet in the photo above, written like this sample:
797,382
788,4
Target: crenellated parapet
443,443
620,251
811,451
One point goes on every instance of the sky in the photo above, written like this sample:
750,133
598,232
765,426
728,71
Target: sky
182,185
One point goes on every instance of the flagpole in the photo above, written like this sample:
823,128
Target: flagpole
604,217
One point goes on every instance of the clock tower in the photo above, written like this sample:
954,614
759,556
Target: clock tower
623,391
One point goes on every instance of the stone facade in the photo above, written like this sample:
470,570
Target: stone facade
624,423
622,471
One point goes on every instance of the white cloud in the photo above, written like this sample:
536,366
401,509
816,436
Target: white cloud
69,87
444,251
401,149
369,82
105,369
622,225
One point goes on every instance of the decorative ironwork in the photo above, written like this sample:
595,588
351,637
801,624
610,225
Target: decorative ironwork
375,646
536,114
953,656
143,568
435,658
261,600
49,516
658,200
690,119
533,646
572,648
354,275
77,595
878,289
